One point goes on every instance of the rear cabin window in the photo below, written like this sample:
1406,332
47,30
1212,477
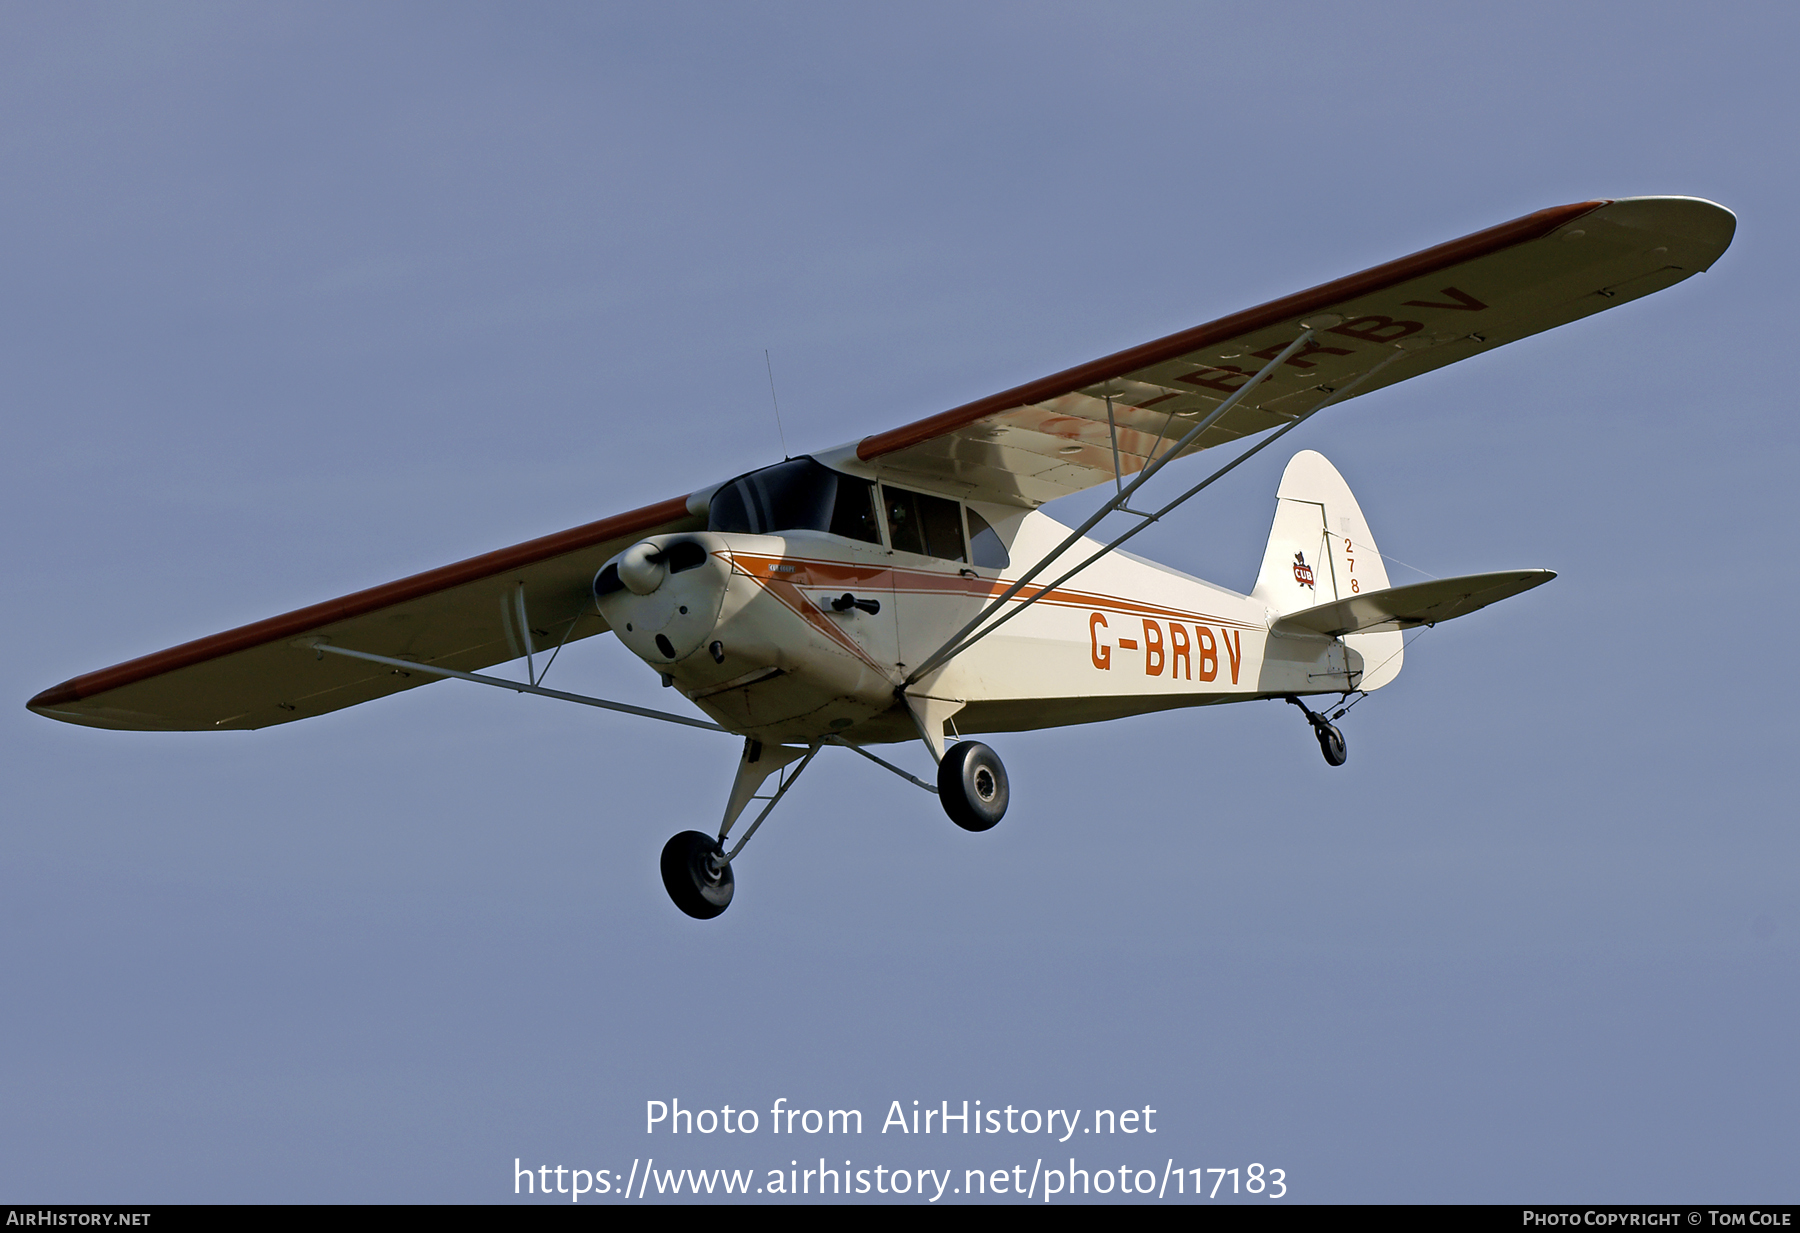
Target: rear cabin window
986,548
797,495
928,525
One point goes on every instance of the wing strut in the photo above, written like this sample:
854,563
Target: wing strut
525,635
974,631
321,646
1150,468
531,674
1112,430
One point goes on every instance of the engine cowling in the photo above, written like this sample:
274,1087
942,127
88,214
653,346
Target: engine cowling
662,596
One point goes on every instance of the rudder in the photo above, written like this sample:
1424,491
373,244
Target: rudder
1319,551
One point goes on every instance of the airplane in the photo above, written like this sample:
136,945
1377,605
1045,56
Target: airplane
908,585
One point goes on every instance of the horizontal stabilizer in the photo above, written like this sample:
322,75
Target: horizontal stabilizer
1422,603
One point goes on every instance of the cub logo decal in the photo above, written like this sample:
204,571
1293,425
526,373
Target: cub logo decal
1302,571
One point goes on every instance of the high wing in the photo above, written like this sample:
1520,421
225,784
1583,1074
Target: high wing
1049,438
462,616
1025,446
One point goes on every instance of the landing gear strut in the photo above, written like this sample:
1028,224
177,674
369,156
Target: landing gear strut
1331,741
696,868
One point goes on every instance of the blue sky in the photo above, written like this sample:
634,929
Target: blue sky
303,298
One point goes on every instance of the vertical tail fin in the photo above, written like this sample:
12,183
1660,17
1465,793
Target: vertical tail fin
1320,550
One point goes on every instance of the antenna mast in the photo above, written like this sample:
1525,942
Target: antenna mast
778,430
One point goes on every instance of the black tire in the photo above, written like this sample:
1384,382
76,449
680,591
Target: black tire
690,879
1331,744
972,786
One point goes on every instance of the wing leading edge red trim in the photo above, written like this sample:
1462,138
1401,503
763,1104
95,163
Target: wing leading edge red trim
1520,230
293,624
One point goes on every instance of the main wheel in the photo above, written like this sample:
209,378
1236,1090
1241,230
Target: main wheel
1331,744
696,875
972,786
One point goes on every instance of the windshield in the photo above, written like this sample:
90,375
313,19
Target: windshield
797,495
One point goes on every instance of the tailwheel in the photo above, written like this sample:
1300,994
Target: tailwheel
1331,741
1331,744
697,875
972,786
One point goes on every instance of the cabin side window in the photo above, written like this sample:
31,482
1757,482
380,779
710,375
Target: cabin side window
853,513
797,495
918,522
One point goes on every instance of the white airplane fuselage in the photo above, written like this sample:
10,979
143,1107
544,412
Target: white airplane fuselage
759,634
